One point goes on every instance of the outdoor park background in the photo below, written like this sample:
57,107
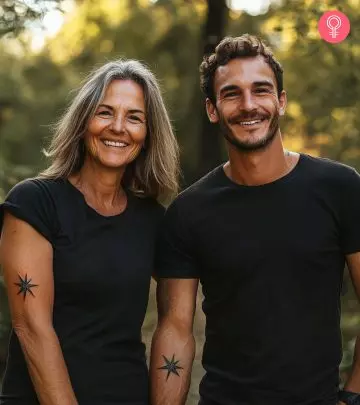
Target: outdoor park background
47,47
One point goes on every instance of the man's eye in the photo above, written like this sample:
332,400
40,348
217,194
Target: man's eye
231,94
261,90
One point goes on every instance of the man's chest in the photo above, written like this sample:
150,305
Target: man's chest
249,235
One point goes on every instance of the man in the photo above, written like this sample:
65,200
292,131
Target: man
267,234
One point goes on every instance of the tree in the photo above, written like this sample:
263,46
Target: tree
210,143
15,15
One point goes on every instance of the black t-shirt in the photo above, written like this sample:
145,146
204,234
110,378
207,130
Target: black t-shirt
270,259
102,268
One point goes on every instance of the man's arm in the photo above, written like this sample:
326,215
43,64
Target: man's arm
353,383
27,262
173,344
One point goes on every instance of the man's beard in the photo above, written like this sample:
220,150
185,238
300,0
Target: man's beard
250,146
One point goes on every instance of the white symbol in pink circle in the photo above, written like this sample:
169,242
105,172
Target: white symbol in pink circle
334,26
334,23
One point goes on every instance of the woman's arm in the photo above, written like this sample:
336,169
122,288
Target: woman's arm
27,261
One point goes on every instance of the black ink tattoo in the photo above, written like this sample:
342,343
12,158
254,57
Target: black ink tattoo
171,366
25,286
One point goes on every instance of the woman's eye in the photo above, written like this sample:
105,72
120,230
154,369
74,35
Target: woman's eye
104,113
135,118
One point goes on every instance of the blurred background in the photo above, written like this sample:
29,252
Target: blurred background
47,47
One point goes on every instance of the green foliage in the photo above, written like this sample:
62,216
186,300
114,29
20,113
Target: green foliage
4,326
16,14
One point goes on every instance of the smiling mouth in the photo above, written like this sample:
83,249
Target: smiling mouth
250,123
114,144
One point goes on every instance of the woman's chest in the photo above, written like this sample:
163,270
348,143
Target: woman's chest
104,258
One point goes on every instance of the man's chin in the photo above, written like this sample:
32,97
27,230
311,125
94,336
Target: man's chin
250,145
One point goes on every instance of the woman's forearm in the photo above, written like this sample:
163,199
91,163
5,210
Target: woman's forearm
353,383
46,365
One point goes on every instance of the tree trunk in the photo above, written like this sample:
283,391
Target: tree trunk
210,142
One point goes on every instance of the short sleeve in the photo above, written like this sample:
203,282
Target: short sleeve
350,216
31,201
174,250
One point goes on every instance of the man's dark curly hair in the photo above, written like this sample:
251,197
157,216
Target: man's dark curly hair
236,47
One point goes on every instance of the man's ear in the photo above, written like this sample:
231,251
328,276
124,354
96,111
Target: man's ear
282,103
211,112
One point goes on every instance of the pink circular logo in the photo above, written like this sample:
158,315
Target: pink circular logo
334,26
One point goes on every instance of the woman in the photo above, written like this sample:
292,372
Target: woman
77,246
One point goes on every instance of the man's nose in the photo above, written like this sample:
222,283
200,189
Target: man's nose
248,102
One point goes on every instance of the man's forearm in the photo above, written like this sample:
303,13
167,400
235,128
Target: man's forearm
46,366
172,356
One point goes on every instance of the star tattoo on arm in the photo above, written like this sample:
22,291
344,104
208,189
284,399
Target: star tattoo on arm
25,286
171,366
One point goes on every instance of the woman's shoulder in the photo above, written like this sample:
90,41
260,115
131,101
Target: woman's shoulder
35,189
33,200
36,186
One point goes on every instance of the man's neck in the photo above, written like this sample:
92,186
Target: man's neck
260,166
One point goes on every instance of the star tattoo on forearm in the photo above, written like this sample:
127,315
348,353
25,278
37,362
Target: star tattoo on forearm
171,366
25,286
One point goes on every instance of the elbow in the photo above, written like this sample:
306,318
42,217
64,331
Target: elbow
33,338
29,330
176,328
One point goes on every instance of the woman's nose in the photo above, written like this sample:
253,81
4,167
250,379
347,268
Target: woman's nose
118,124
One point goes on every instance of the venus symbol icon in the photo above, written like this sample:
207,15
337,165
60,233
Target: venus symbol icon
334,26
334,23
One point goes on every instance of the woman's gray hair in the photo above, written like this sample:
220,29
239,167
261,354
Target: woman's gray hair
155,171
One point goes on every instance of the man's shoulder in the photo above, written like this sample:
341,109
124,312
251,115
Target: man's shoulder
329,176
202,187
325,168
195,198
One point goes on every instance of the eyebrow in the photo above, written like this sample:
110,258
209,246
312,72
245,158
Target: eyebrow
230,87
132,111
106,106
265,83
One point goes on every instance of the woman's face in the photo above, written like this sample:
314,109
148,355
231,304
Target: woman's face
116,133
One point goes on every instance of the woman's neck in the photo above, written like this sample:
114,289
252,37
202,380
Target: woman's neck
100,186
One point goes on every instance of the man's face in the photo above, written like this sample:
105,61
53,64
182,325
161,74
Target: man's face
247,105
